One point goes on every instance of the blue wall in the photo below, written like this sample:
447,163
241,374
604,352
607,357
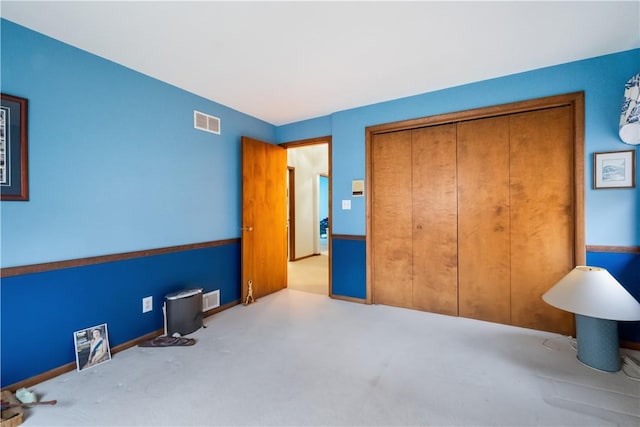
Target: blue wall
116,166
40,311
625,267
348,271
312,128
115,163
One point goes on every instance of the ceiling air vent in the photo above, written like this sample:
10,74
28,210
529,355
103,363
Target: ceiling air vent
206,122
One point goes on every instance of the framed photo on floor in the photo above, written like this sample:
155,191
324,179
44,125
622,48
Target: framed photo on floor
614,169
14,173
92,346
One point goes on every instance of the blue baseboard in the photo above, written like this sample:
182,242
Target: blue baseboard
39,312
625,267
348,270
349,274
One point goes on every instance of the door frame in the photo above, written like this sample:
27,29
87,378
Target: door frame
291,208
317,141
319,201
575,100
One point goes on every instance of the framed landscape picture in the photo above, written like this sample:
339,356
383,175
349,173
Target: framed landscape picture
614,169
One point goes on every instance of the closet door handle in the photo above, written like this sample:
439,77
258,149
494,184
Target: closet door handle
246,228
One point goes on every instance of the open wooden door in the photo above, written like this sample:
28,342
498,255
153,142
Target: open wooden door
264,217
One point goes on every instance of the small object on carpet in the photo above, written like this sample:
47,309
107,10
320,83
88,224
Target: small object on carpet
8,405
250,299
25,396
164,341
14,416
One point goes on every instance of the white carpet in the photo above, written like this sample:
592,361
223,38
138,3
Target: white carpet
299,359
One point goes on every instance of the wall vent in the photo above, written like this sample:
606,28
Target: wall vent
206,122
210,300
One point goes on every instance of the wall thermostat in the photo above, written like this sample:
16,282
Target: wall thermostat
357,188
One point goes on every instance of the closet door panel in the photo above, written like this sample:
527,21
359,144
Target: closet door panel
435,263
391,219
542,232
484,276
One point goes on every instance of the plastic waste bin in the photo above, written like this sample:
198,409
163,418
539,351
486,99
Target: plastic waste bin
183,312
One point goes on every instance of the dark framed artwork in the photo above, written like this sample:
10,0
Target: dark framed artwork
614,169
14,161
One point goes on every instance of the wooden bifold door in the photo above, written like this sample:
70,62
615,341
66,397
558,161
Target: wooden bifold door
476,218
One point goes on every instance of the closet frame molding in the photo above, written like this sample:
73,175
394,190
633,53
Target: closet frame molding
574,99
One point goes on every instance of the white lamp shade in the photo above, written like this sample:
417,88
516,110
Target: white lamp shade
630,114
593,292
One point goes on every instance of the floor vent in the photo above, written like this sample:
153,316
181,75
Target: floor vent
206,122
210,300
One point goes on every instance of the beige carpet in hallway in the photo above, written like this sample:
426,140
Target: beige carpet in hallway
310,275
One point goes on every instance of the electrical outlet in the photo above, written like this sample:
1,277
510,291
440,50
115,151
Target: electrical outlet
147,304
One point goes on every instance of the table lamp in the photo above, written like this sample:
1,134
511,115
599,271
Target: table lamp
598,301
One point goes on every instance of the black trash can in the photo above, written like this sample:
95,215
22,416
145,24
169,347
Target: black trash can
183,312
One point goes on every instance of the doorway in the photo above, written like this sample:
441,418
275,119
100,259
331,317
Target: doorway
323,214
309,215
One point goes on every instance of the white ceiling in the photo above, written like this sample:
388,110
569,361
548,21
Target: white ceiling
288,61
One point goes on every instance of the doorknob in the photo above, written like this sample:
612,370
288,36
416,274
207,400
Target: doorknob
246,228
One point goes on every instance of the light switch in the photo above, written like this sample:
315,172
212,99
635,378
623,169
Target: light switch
346,204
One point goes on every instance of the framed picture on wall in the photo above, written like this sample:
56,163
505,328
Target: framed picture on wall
614,169
92,346
14,182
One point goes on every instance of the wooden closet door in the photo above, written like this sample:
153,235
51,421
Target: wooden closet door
435,260
542,212
391,219
484,276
